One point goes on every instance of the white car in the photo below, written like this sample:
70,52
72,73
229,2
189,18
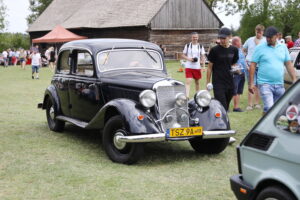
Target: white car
294,53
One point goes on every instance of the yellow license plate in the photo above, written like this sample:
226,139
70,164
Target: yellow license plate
184,132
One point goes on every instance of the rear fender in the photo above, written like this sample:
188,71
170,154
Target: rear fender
129,110
207,117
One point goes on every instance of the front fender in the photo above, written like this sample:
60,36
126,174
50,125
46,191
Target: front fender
207,118
51,93
129,110
279,176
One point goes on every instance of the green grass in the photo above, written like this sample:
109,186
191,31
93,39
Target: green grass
36,163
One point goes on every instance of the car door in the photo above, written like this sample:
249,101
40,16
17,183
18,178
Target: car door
84,87
61,80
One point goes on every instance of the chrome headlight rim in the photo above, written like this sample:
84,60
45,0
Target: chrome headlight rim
181,99
202,98
147,98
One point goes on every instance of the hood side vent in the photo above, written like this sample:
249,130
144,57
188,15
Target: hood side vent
259,141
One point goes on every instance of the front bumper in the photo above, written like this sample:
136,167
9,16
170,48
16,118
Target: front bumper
241,190
159,137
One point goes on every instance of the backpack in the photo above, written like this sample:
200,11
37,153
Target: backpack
190,45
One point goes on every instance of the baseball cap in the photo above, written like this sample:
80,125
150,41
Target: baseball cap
271,31
224,32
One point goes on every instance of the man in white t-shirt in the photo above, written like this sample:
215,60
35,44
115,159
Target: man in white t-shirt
249,46
36,63
5,58
193,53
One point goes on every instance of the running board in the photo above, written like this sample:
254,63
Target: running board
72,121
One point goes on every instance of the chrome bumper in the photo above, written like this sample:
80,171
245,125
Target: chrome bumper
159,137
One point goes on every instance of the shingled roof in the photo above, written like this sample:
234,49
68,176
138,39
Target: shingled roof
97,14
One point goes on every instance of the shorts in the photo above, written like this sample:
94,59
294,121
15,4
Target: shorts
22,60
35,68
193,73
239,82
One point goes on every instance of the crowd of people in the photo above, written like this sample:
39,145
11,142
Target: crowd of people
33,57
260,61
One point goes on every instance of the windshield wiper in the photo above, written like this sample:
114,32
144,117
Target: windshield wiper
150,55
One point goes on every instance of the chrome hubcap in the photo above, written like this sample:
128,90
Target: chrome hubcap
118,144
51,113
271,198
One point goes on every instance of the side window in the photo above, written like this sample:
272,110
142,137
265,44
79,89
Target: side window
289,116
84,65
64,62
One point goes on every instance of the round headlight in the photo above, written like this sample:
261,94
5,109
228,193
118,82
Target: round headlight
181,99
148,98
202,98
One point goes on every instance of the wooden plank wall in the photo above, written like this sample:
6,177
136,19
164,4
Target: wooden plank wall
185,14
174,40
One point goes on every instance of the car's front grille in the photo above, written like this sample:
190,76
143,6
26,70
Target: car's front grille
166,96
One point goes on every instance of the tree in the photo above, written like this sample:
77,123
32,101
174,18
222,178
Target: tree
283,14
286,16
37,7
259,12
230,7
14,40
3,22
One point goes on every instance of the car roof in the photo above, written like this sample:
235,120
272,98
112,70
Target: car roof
96,45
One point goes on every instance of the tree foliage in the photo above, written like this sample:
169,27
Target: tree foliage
37,7
286,16
3,22
14,40
283,14
230,7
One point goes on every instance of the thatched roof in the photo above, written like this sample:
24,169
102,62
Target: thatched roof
97,14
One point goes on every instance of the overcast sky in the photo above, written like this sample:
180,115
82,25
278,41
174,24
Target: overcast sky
18,10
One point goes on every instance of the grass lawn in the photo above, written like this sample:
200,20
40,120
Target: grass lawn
36,163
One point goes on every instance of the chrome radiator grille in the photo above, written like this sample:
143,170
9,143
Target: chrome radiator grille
166,97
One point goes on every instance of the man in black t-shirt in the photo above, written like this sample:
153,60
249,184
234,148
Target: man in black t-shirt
221,59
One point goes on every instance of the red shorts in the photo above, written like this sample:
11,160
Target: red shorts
193,73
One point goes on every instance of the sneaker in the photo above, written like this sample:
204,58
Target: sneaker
249,108
257,106
237,110
232,140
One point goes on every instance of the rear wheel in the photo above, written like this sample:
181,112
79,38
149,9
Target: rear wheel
209,146
120,152
51,113
275,193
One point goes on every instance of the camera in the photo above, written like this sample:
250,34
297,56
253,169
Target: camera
195,59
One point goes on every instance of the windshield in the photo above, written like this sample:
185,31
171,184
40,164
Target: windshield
129,59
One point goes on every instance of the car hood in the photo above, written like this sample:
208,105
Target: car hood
142,81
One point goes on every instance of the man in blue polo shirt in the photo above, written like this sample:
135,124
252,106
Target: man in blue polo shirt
271,58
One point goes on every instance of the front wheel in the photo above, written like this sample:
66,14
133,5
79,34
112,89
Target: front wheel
209,146
51,113
275,193
119,152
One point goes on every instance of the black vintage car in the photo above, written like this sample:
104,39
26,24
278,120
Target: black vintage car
121,87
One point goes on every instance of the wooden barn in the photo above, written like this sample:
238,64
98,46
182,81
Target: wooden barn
166,22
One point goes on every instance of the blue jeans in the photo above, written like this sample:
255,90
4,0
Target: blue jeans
270,94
